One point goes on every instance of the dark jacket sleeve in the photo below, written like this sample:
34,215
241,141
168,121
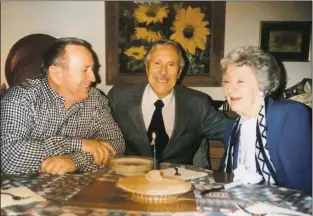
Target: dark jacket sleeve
111,98
213,122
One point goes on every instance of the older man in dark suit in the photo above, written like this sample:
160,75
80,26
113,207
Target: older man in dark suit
180,117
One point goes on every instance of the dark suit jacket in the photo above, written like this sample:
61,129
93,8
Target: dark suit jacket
195,119
289,139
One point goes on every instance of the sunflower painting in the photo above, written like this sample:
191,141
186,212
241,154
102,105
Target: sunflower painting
142,24
150,13
146,35
190,30
136,52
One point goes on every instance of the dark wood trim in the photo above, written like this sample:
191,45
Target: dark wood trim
211,79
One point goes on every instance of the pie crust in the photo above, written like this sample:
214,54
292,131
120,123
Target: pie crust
154,183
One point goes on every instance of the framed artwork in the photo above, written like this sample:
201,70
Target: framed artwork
132,27
287,40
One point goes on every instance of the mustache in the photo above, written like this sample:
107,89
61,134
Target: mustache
161,77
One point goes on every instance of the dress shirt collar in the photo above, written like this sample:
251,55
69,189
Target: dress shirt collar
51,91
58,97
152,97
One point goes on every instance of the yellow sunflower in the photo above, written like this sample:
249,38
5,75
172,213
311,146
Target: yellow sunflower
190,30
145,34
150,13
136,52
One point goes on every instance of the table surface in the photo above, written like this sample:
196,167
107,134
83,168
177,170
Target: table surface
58,189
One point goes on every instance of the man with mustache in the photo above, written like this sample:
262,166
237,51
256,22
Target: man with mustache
56,122
188,115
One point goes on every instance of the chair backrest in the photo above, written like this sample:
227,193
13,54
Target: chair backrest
305,98
25,57
301,92
304,86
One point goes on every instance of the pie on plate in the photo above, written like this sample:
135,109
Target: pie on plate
154,187
131,165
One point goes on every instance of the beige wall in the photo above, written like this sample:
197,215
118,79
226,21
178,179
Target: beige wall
86,20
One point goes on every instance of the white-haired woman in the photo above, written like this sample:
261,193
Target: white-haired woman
271,140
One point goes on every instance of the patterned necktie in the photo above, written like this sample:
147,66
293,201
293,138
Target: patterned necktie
157,126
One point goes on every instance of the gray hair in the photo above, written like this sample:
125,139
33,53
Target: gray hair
266,68
164,43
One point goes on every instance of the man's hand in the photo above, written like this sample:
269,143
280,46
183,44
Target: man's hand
60,165
100,150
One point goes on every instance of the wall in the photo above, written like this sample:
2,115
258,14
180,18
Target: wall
86,20
57,18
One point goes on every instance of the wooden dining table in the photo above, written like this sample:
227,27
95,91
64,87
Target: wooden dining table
94,193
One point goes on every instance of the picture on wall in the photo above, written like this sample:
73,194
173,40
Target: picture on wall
133,27
286,40
141,25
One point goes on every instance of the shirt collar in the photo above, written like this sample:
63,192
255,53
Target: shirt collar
51,91
152,97
58,97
